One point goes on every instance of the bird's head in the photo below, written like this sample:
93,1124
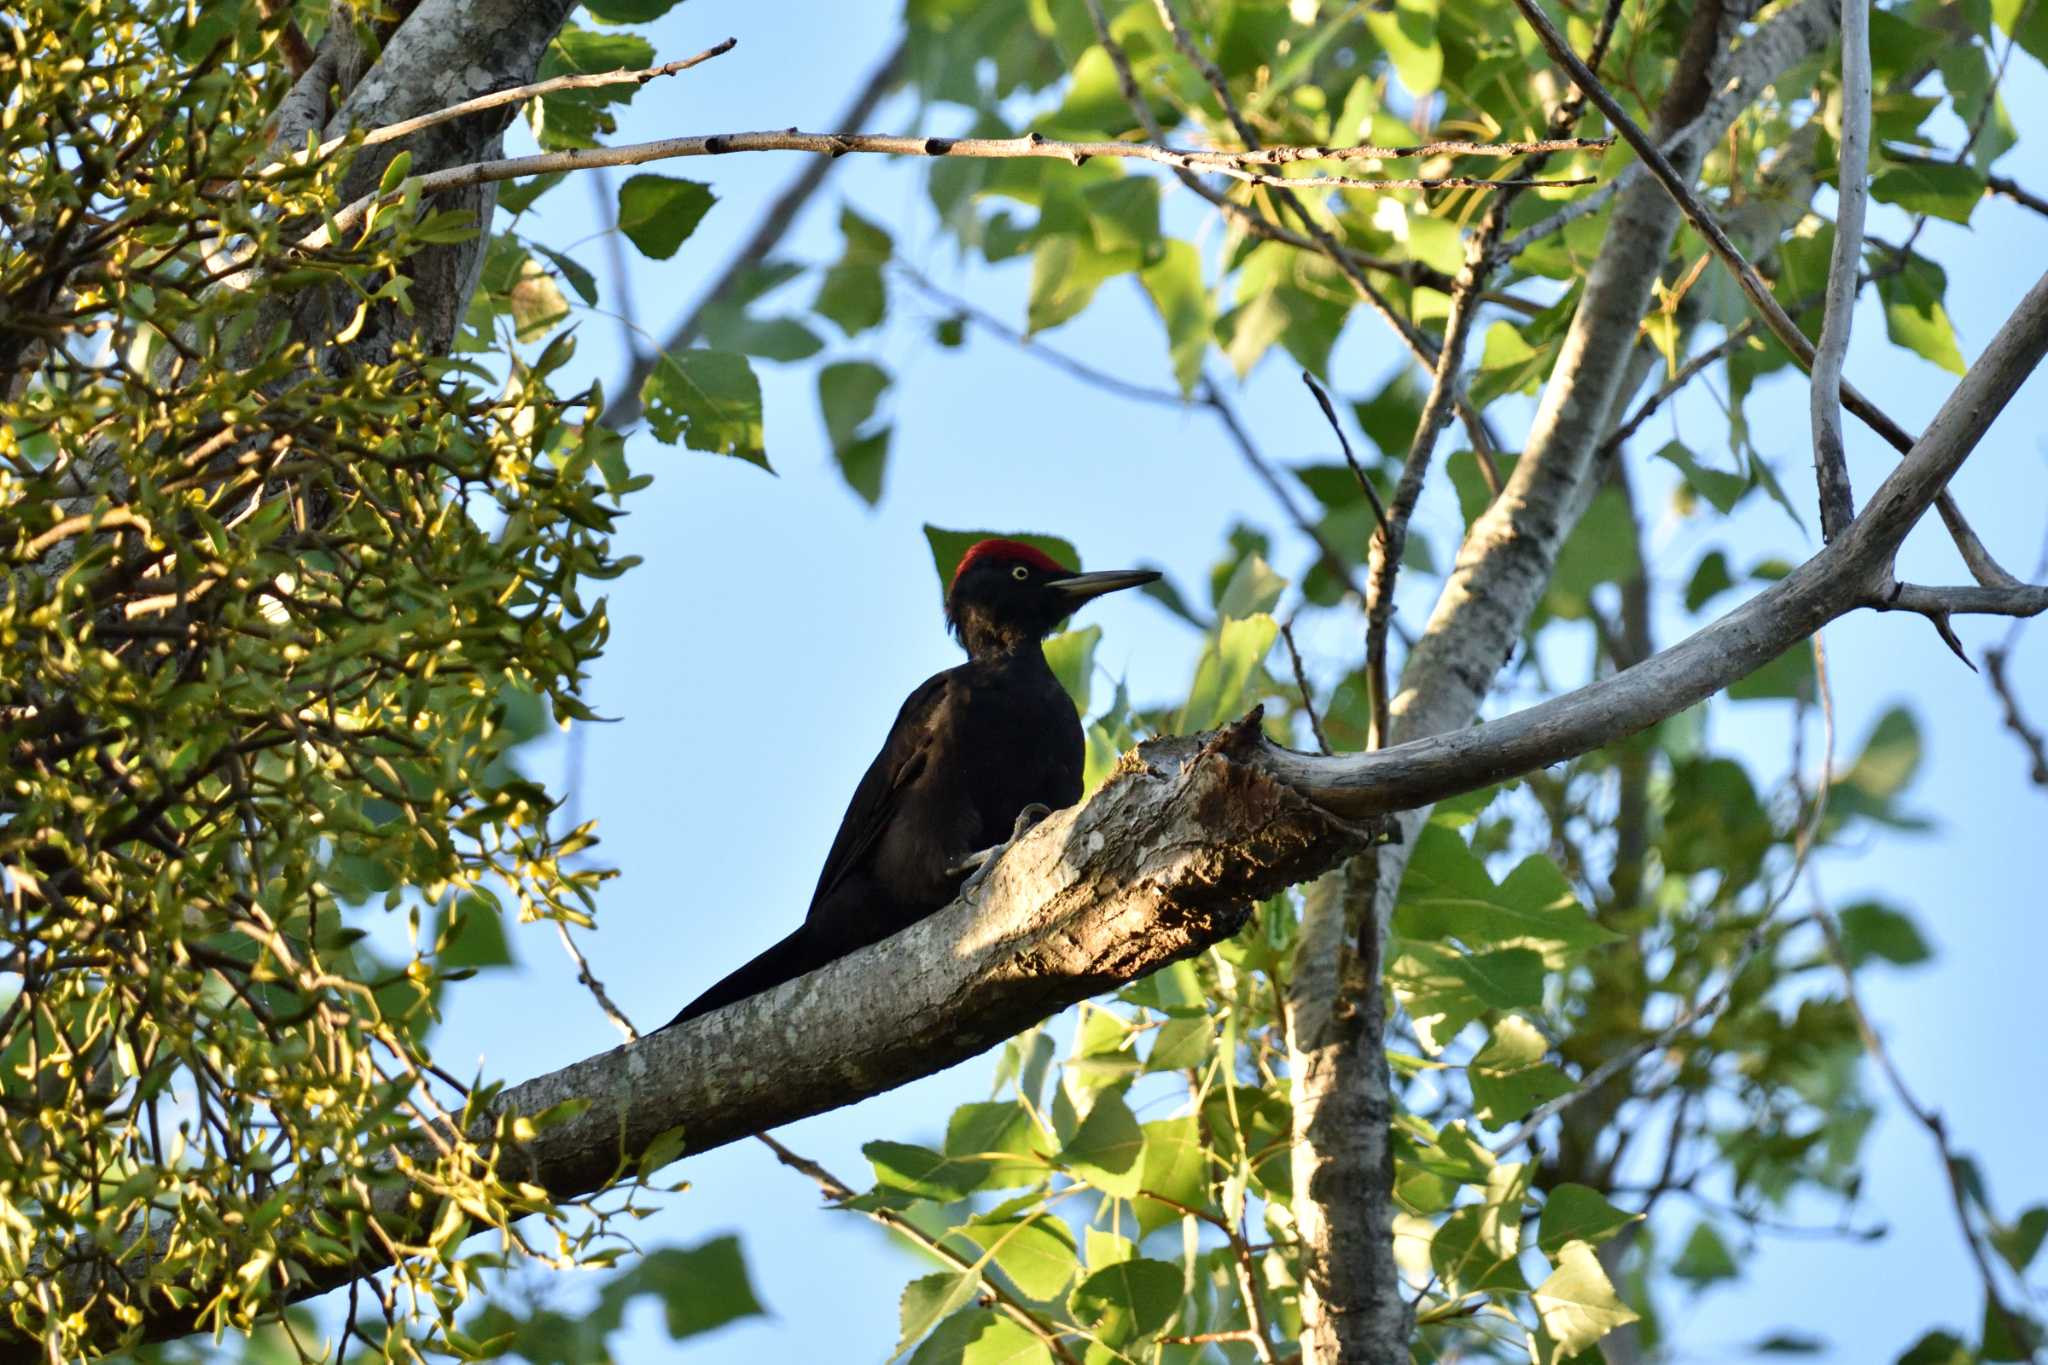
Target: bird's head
1006,593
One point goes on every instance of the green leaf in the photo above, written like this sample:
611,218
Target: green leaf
1705,1258
658,212
1071,656
395,172
1123,214
1944,190
1574,1213
1914,316
1037,1253
852,293
1225,672
1176,1166
923,1172
2027,23
949,546
1890,757
470,932
928,1300
1509,1076
1123,1302
701,1288
1938,1348
577,118
1871,930
1447,894
2018,1242
1174,284
1601,549
579,277
1718,487
984,1130
517,196
1576,1303
629,11
1285,297
980,1336
1065,273
847,391
534,300
1709,580
1108,1149
1180,1044
1253,589
1407,34
1475,1249
709,400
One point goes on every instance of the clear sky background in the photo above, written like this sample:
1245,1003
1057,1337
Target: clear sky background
759,654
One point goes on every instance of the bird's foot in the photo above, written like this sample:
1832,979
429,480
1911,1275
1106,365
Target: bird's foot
979,865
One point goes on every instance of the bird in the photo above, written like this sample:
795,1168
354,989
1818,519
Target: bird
972,748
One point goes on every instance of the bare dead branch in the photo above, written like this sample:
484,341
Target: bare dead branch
1308,704
2018,193
1830,463
594,986
2030,738
1365,484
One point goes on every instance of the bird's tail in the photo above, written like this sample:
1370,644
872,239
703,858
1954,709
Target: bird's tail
786,961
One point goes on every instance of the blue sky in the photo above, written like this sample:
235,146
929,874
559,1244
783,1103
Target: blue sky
760,652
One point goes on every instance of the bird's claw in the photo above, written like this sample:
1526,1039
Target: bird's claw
979,865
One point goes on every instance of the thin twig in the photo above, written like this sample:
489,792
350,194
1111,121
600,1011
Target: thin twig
2035,743
1024,341
1365,485
2018,193
596,987
1301,681
1285,156
1830,463
1028,147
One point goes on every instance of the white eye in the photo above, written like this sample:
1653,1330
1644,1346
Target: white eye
1020,573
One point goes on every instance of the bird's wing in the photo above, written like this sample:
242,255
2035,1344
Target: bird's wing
902,758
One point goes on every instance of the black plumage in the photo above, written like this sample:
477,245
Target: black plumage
971,748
